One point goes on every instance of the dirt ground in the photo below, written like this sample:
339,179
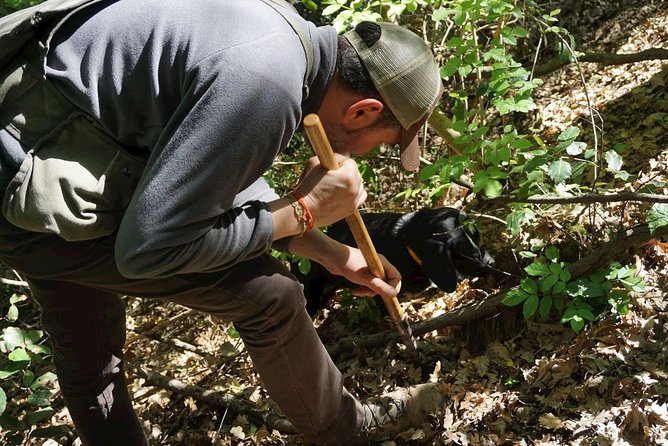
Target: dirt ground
543,386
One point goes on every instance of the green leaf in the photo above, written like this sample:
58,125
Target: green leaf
530,306
521,144
586,314
545,306
16,298
614,161
28,378
304,265
20,354
529,285
571,311
12,313
39,415
40,398
558,302
492,188
518,31
552,253
577,324
43,381
9,368
537,269
576,148
232,332
559,287
547,282
450,67
565,275
439,14
11,423
49,432
455,42
459,17
635,284
514,297
555,269
32,336
13,337
569,133
657,216
331,9
310,4
559,171
3,401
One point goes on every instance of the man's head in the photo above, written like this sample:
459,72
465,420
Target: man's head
388,85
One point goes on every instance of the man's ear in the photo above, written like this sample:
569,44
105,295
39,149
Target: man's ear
361,114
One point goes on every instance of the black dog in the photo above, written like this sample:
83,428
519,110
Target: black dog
427,246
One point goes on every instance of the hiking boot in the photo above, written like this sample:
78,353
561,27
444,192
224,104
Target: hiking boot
397,411
384,416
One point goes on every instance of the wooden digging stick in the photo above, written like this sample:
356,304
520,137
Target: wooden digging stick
318,138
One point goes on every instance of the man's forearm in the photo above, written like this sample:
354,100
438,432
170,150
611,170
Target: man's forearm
315,245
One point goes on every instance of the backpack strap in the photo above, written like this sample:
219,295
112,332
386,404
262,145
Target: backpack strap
287,11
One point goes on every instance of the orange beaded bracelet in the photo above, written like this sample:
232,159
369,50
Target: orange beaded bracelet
301,211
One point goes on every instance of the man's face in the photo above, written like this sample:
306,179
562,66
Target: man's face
360,142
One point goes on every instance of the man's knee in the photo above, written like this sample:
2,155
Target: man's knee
279,301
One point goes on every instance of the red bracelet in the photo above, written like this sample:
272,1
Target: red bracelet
301,211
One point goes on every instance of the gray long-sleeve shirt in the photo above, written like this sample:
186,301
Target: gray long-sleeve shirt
214,90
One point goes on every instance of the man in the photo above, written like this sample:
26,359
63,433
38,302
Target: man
200,96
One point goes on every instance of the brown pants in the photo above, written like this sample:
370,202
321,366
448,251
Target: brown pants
77,287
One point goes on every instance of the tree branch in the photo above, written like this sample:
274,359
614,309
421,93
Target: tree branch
216,399
590,198
603,59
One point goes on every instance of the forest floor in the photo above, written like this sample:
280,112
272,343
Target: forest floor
545,385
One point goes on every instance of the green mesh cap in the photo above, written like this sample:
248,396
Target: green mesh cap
407,77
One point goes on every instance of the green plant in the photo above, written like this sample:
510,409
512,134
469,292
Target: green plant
549,286
360,308
27,386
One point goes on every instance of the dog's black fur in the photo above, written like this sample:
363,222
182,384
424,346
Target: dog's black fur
448,252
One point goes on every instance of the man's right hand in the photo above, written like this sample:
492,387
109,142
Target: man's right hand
331,195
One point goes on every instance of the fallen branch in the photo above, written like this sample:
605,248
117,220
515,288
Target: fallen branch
590,198
613,249
603,59
20,283
636,236
490,306
216,399
175,342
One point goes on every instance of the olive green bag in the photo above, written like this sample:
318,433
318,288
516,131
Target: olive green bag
76,180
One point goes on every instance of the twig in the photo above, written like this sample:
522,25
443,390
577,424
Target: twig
589,198
13,282
178,344
604,59
169,322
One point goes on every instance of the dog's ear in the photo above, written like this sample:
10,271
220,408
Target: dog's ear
437,264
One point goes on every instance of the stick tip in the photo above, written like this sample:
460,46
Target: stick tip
311,120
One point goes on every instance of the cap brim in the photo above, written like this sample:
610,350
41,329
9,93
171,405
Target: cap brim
409,144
